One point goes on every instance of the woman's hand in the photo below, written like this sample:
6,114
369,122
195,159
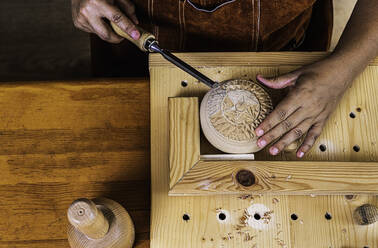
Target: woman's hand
314,93
88,16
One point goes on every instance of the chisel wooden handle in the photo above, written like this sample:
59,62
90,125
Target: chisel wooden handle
140,43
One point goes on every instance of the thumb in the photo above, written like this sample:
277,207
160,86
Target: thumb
279,82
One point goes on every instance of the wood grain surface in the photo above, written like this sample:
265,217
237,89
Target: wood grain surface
184,138
321,221
65,140
280,177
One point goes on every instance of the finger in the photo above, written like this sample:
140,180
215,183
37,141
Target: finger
129,8
113,14
82,24
279,82
283,110
86,27
310,139
283,127
295,134
104,31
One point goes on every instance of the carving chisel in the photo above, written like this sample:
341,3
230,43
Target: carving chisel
148,43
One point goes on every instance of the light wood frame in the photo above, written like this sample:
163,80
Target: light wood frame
191,174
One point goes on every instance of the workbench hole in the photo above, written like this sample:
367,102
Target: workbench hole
352,115
184,83
366,246
358,109
257,216
322,148
356,148
222,216
328,216
294,217
186,217
245,178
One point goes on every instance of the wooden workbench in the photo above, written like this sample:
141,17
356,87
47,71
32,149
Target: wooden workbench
294,221
63,140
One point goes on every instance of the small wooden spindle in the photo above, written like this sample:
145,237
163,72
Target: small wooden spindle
88,219
99,223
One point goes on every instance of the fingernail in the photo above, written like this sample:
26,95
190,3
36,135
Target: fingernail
262,143
135,35
259,132
273,150
300,154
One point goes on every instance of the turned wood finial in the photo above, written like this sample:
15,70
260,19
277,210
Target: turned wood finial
366,214
99,223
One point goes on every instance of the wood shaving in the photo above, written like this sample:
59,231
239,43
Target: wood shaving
267,217
288,177
244,218
275,200
248,237
244,197
254,246
301,222
281,243
312,195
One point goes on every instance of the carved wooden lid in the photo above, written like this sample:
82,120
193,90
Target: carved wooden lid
231,112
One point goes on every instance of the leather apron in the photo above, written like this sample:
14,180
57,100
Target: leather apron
220,25
228,25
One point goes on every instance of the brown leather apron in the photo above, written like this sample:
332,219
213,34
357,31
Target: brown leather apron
233,25
227,25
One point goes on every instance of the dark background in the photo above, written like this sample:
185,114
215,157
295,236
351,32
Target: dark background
38,41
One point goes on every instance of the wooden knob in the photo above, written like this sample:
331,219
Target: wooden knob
140,43
366,214
101,223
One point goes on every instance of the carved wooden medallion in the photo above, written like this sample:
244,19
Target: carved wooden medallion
231,112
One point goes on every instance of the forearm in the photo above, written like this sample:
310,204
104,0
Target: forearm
358,44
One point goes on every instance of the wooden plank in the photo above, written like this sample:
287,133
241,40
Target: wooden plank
280,177
203,229
184,136
222,59
64,140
